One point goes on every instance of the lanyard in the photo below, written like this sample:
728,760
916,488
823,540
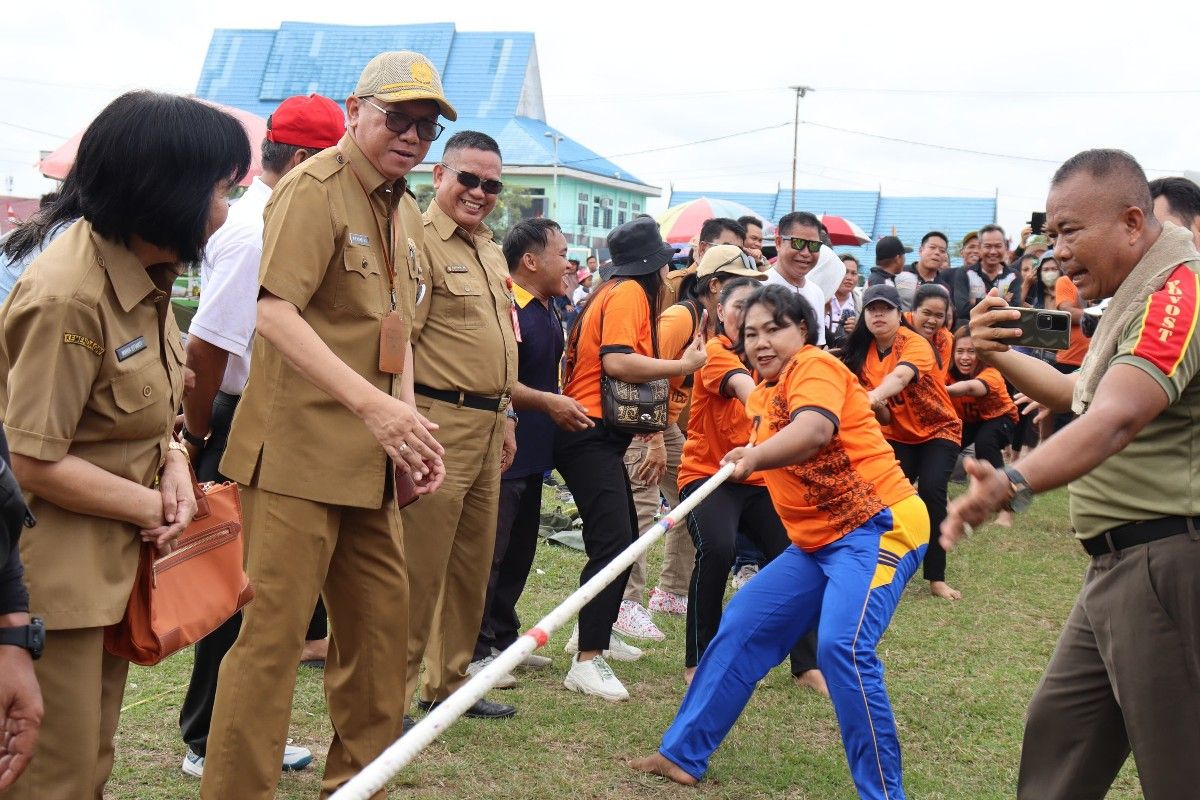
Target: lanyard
387,241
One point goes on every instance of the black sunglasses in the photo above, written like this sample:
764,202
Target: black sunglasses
473,181
397,122
813,245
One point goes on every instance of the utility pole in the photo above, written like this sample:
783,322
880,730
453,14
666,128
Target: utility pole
800,91
556,138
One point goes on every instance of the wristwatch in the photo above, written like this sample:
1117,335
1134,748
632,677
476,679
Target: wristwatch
32,637
191,438
1021,496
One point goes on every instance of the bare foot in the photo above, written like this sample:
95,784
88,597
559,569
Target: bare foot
688,674
812,679
944,590
1004,519
657,764
313,651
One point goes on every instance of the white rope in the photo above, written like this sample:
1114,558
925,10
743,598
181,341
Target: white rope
376,774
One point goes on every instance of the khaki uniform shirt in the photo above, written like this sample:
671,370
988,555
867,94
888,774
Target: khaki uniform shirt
328,231
463,339
91,365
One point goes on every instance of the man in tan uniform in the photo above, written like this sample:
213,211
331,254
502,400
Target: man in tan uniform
326,416
465,352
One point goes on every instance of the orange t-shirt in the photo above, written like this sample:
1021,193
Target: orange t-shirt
674,334
996,403
1065,292
922,411
718,423
621,310
850,479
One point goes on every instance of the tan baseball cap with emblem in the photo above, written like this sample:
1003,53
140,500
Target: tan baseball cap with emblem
403,75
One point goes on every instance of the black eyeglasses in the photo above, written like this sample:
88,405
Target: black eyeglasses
397,122
813,245
473,181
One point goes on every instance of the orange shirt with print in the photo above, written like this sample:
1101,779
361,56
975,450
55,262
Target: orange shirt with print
675,331
1065,292
996,403
717,421
922,411
849,480
621,311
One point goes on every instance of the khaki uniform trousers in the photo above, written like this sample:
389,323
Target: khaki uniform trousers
294,547
82,687
450,539
680,554
1125,675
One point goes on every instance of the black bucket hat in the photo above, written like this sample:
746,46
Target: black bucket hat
637,248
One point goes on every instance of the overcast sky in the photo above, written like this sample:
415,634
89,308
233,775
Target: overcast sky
1033,82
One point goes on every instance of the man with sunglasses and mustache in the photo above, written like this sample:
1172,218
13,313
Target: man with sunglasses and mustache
465,369
326,419
798,240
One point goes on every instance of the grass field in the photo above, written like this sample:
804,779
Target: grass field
960,677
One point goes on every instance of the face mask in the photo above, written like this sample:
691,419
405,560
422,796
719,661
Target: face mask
1049,278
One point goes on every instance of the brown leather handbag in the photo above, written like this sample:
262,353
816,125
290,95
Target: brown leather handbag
183,596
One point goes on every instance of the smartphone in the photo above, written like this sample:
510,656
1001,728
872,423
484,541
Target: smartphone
1037,222
405,489
1040,329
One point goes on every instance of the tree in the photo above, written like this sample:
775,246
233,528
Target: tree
512,206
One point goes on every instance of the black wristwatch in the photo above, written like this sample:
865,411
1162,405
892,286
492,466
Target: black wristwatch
191,438
32,637
1022,495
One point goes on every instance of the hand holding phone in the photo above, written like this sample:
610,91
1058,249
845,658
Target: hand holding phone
1040,329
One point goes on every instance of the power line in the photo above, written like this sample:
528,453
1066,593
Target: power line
31,130
677,146
1013,92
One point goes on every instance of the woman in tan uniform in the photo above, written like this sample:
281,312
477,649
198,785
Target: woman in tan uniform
90,381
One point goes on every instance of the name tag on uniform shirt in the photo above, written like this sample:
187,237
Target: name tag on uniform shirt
457,268
360,239
131,348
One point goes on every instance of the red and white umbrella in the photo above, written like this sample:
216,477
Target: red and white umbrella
59,163
843,231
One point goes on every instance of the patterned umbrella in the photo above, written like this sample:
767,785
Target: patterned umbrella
843,231
680,223
59,163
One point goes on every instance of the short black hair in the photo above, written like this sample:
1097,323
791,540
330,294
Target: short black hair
471,140
748,220
789,221
933,234
712,228
787,308
1183,197
148,164
275,155
850,257
990,227
574,262
928,290
1122,170
528,236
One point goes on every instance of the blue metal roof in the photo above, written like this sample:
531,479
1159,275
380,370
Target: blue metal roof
877,215
491,79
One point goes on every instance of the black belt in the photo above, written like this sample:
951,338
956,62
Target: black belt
476,401
1135,533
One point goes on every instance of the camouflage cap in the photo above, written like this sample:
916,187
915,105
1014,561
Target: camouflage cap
403,75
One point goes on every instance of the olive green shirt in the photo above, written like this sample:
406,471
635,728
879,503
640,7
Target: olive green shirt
1156,474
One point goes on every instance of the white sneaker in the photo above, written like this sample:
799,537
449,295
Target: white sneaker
635,622
744,575
618,648
665,602
506,681
531,661
595,677
294,758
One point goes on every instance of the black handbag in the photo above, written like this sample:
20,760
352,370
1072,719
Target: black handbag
634,407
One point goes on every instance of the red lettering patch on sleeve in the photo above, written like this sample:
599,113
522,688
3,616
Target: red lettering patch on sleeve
1170,321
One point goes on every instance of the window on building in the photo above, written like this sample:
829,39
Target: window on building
583,208
596,211
621,217
637,207
608,215
539,205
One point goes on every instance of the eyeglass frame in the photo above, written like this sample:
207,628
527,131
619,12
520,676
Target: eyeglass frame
388,115
465,179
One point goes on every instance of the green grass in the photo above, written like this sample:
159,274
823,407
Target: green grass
960,677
